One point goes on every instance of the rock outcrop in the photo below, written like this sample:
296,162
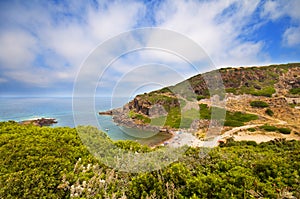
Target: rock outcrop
241,84
40,122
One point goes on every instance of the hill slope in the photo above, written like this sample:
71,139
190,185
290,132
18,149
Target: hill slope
189,104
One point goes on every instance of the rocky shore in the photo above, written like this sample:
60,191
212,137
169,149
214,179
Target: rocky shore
121,117
40,122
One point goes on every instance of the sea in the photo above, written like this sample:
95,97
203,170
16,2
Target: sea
61,108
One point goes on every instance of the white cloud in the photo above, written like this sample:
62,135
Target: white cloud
217,26
18,49
291,36
44,43
62,41
116,18
3,80
276,9
281,8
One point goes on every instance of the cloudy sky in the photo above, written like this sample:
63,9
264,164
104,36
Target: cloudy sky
44,44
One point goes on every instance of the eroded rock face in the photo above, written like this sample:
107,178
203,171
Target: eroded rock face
288,80
140,105
157,110
144,106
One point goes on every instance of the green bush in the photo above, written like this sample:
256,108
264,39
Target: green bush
231,90
284,130
233,123
295,91
267,92
200,97
259,104
251,129
44,163
267,127
269,112
274,128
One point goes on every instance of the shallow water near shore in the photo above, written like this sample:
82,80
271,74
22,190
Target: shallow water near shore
60,108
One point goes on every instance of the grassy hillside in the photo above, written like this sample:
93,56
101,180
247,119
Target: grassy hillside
44,162
267,81
258,81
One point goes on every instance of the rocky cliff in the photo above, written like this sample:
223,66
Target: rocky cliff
257,81
266,81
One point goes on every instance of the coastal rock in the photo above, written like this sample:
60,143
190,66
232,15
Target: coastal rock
40,122
110,112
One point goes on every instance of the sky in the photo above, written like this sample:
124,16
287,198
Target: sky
44,45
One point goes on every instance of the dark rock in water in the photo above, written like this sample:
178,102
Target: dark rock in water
40,122
106,112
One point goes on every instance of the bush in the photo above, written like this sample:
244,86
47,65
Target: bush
267,92
269,112
284,130
200,97
274,128
251,129
295,91
233,123
267,127
259,104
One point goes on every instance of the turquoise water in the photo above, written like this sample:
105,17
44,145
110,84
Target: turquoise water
24,108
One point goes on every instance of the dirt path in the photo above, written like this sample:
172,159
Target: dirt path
239,133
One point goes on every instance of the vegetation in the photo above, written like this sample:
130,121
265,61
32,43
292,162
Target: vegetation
295,91
269,112
200,97
251,129
238,118
259,104
267,127
267,91
43,162
33,160
140,117
233,119
284,130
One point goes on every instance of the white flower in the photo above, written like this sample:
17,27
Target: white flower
88,166
102,181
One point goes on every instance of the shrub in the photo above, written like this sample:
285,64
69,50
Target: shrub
284,130
269,112
267,92
274,128
231,90
233,123
295,91
259,104
251,129
200,97
267,127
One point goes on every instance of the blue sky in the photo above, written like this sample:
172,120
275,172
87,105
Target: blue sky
43,44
